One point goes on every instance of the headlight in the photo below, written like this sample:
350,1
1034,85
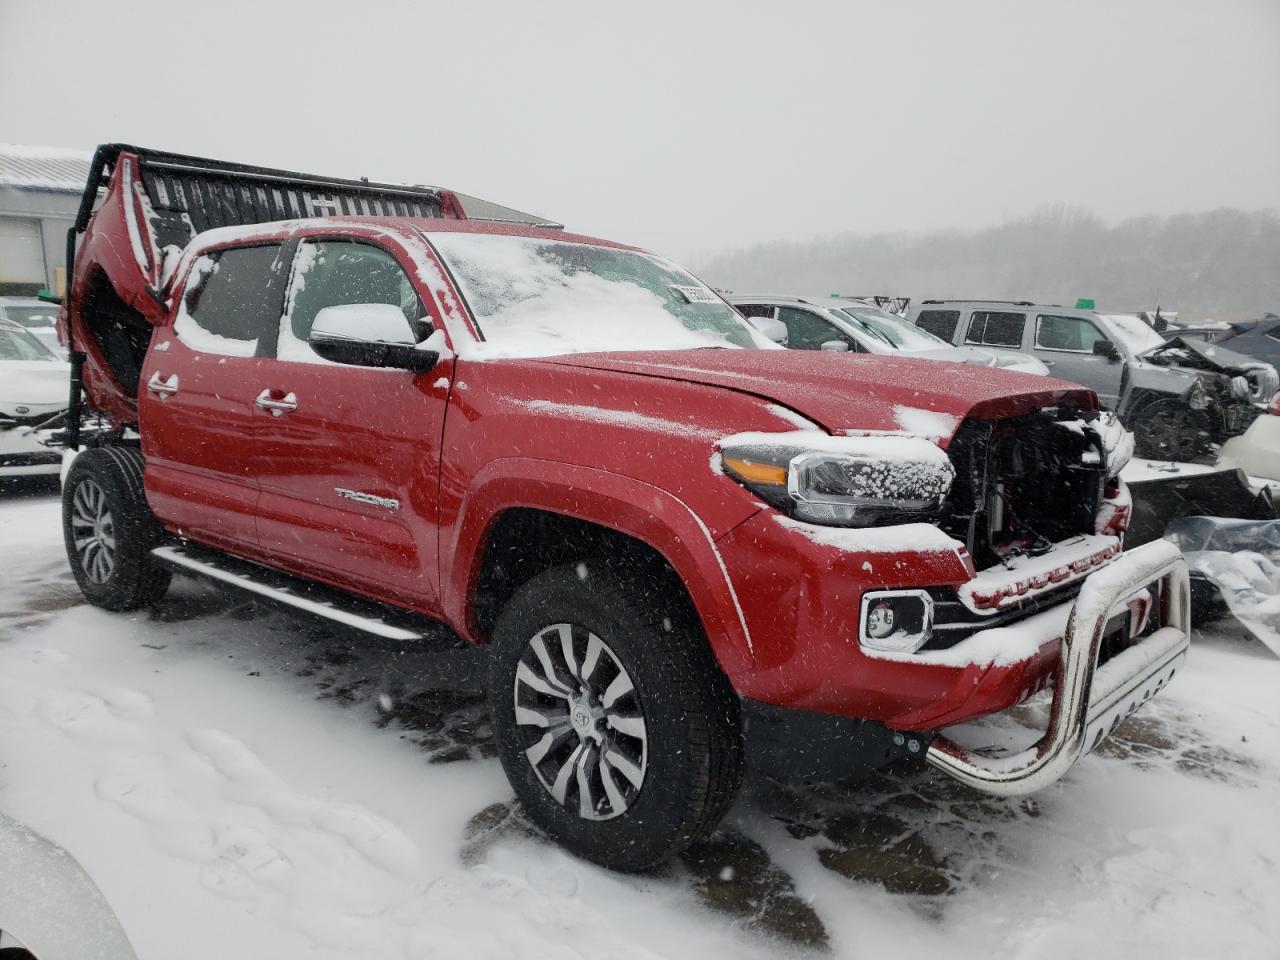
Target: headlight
1198,396
1240,388
841,481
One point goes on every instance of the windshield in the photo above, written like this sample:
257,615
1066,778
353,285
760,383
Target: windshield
889,329
533,297
1133,333
20,345
36,316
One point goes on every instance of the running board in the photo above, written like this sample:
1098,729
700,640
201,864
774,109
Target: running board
452,663
281,588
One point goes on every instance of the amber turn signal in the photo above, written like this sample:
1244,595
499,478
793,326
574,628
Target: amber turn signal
752,472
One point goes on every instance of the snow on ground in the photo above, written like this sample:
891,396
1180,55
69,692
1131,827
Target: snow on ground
245,783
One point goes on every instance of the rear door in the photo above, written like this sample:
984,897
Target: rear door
349,466
998,330
195,409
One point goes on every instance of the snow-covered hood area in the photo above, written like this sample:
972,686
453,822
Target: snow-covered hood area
1213,356
33,383
851,394
983,358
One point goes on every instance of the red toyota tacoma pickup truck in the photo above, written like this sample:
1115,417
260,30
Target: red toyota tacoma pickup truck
668,544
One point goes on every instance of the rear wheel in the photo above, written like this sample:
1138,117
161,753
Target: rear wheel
615,726
109,530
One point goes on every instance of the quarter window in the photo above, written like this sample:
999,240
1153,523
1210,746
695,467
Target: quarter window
332,273
1067,333
807,331
993,328
231,300
941,323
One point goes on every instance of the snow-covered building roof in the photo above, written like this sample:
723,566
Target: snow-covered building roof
44,168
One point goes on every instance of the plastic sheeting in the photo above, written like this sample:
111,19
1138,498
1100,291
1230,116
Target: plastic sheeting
1242,559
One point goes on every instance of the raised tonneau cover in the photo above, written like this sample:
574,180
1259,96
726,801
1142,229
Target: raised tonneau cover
191,194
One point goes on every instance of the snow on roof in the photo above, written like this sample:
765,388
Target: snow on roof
44,168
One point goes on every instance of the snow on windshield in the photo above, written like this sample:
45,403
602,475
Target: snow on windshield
534,297
19,345
892,330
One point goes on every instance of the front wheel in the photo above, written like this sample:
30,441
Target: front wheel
617,729
109,530
1170,430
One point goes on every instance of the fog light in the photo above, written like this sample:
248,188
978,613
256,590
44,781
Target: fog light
881,619
897,621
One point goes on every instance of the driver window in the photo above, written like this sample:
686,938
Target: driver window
331,273
807,331
1067,333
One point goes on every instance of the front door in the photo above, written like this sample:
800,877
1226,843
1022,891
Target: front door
348,457
195,403
1065,344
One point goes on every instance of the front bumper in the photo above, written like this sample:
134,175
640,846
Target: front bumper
22,453
1090,700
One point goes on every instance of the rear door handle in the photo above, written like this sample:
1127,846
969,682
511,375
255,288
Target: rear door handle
164,387
287,404
1048,363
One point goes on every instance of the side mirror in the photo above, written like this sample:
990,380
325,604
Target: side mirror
369,335
836,346
775,330
1105,348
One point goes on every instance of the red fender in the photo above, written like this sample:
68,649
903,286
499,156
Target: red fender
629,506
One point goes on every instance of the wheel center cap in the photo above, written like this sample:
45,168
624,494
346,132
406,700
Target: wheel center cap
582,718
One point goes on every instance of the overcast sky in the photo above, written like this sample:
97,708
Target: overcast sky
685,127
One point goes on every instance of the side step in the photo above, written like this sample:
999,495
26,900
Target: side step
454,663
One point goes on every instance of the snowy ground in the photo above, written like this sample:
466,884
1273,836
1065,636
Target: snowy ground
234,782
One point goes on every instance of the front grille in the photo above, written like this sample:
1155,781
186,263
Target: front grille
953,622
13,421
1022,484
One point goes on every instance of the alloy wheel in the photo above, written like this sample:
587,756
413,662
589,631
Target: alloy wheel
582,722
94,531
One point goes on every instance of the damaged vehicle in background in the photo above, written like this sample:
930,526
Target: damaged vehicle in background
33,395
661,544
1180,401
841,324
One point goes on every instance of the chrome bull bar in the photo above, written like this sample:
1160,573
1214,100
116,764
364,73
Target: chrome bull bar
1088,700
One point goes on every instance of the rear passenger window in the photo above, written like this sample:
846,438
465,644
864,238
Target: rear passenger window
755,310
941,323
332,273
1067,333
231,300
992,328
807,331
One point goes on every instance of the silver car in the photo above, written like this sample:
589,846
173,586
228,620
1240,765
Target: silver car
840,323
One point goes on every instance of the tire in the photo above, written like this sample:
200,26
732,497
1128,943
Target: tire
1170,430
657,705
109,530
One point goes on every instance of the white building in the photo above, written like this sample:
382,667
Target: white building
40,190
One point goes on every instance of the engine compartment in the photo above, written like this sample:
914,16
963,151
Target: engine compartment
1024,483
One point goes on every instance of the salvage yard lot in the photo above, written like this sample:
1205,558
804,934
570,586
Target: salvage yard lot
240,782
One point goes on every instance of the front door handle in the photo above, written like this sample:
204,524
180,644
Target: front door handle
286,404
164,387
1049,363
